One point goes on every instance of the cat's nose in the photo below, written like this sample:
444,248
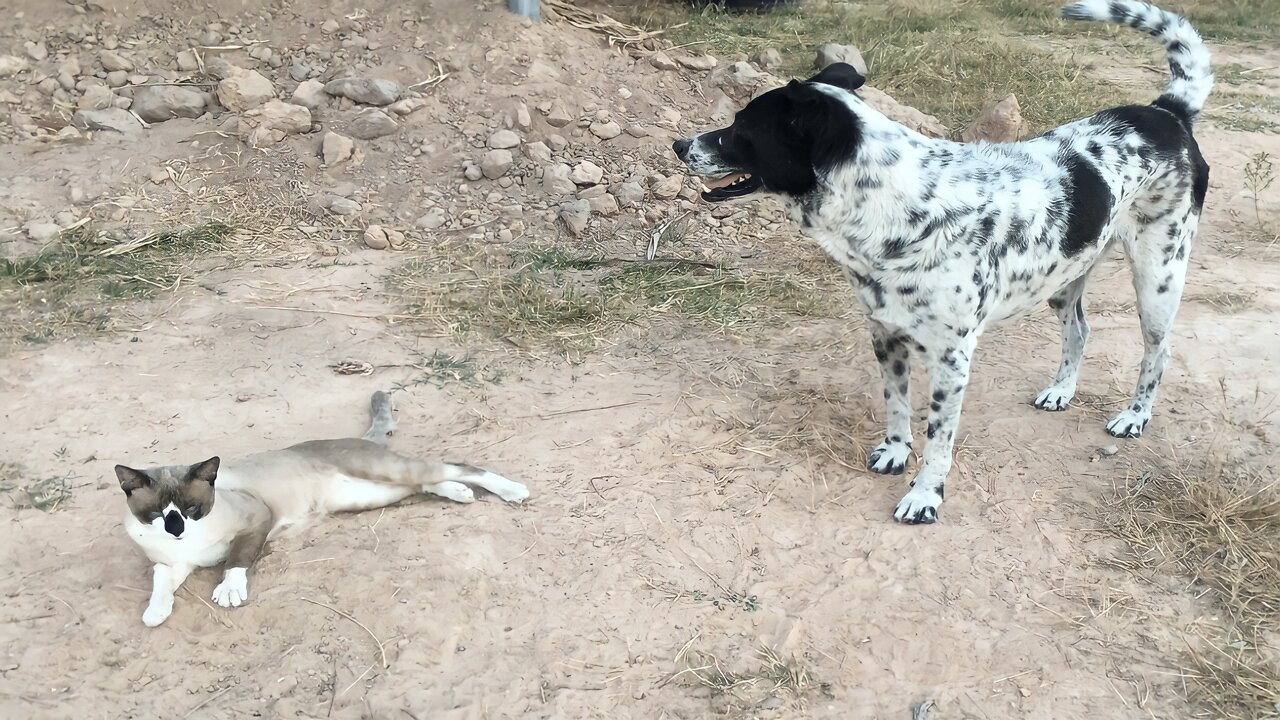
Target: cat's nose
173,523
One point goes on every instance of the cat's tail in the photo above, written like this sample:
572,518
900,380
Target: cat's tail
383,423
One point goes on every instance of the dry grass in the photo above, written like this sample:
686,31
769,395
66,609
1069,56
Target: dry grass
764,686
1227,301
1221,526
552,298
46,494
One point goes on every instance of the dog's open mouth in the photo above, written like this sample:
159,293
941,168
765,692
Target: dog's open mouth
731,186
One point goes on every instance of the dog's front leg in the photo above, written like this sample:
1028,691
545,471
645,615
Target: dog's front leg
893,351
948,376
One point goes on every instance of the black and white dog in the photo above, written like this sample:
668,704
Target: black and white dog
941,239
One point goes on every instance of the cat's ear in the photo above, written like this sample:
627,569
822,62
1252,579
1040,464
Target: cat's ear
206,471
131,479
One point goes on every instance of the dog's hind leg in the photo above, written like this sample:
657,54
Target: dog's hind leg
948,378
382,422
893,350
1068,303
1158,257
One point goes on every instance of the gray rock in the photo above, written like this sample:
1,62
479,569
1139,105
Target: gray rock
556,182
36,50
559,115
116,79
663,61
833,53
629,194
110,119
769,59
365,91
161,102
576,215
342,206
472,172
309,94
606,130
335,148
668,187
96,97
698,62
496,163
11,65
370,123
538,152
586,173
504,140
244,89
187,61
112,62
433,220
42,231
271,122
603,204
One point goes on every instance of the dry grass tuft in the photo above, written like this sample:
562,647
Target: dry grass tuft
573,304
764,686
1221,526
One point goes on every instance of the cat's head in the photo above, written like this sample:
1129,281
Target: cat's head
168,498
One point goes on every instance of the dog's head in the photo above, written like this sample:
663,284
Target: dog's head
782,141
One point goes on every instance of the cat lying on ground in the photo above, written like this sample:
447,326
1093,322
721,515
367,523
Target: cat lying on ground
184,517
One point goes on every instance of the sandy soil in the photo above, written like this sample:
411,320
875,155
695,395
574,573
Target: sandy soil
696,499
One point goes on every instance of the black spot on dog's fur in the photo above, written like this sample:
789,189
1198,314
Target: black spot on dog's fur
1090,205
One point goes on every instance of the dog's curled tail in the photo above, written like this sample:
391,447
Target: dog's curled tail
382,422
1188,57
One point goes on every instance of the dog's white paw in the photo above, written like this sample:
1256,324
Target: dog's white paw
454,491
233,591
1128,424
919,506
1054,399
889,458
154,615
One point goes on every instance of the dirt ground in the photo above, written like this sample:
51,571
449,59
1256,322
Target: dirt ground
702,540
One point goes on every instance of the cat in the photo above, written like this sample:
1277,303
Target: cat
184,517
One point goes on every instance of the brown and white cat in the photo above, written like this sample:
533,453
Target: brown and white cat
184,517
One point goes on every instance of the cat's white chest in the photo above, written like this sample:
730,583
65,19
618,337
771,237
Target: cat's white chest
200,545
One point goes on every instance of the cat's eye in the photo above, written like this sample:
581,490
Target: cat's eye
193,512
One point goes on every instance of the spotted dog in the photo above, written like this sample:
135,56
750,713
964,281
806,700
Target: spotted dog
941,239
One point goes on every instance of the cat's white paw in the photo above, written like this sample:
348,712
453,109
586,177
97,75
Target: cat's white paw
154,615
454,491
509,490
233,591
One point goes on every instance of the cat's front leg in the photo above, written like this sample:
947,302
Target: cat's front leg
165,581
233,591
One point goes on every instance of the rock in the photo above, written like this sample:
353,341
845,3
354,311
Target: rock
576,215
559,115
832,53
341,206
504,140
117,79
330,26
36,50
188,61
433,220
538,152
741,81
370,123
219,68
309,94
496,163
271,122
472,172
112,62
557,142
556,182
629,194
407,105
668,187
11,65
586,173
243,89
365,91
924,124
662,61
375,238
111,119
335,148
999,122
769,59
96,97
606,130
603,204
698,62
161,102
395,237
524,120
42,231
638,131
1108,450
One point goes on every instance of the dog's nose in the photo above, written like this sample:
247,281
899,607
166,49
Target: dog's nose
682,147
173,523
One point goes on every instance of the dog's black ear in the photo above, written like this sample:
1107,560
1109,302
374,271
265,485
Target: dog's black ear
841,75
